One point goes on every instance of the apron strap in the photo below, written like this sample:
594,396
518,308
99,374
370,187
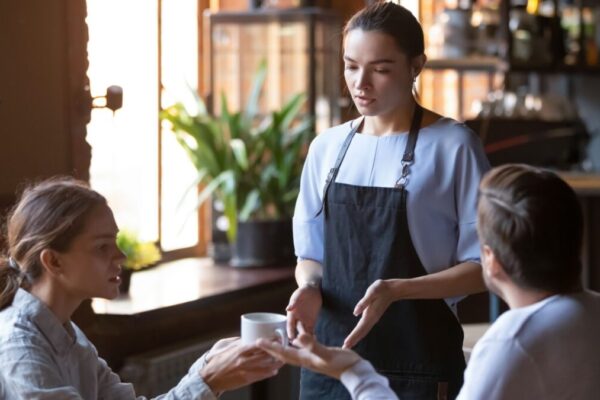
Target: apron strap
334,171
407,158
409,151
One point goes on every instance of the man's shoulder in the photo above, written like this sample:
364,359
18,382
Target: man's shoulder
569,315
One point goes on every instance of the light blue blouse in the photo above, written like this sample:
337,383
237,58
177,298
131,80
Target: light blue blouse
42,359
442,189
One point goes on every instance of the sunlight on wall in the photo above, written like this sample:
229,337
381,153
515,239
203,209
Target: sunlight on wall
123,50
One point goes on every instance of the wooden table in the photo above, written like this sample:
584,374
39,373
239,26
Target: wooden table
180,301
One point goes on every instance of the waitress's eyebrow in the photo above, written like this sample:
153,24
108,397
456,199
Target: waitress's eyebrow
380,61
102,236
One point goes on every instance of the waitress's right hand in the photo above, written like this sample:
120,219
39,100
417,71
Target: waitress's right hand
304,306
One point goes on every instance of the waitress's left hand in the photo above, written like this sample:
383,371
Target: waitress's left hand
376,300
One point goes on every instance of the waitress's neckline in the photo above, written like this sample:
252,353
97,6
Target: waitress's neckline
394,134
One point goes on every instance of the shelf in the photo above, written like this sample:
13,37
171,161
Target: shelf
273,14
489,64
495,64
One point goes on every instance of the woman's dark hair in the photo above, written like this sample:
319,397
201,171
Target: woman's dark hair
394,20
532,221
48,215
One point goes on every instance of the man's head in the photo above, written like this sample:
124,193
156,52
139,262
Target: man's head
530,227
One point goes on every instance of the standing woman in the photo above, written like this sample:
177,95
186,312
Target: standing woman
384,226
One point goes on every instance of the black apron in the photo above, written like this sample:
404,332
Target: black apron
417,344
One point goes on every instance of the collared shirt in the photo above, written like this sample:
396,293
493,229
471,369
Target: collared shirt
41,359
449,163
6,391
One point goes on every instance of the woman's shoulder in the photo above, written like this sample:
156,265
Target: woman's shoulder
17,327
332,136
327,144
449,131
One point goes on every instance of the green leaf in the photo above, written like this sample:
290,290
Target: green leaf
222,180
194,185
230,212
257,86
239,152
290,110
250,205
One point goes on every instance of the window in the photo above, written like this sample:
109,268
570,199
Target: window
136,163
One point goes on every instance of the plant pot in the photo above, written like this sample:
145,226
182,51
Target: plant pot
125,281
263,243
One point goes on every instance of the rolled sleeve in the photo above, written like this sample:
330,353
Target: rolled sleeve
307,221
471,166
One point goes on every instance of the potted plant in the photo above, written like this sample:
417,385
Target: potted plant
251,164
138,255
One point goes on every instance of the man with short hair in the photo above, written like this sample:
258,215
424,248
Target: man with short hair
546,346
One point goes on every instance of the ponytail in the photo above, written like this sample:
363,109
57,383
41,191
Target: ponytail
11,278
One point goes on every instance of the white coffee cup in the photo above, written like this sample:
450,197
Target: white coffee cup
264,325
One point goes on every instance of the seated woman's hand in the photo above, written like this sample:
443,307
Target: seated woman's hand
331,361
231,365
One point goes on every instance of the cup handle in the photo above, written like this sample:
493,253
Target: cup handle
282,335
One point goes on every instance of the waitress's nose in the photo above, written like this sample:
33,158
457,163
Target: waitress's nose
362,81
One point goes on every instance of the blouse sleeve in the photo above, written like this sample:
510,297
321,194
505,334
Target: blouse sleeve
471,166
364,383
308,226
190,387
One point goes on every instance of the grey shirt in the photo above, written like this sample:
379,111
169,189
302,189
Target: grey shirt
44,359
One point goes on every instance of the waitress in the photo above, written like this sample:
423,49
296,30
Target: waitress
384,227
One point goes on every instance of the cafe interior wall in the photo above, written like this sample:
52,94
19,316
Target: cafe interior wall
43,113
42,98
43,116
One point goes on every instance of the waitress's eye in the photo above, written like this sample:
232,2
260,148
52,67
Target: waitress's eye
382,71
350,67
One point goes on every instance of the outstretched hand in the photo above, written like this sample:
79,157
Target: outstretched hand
231,365
331,361
303,309
376,300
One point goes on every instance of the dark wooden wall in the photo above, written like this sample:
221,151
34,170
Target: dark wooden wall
44,103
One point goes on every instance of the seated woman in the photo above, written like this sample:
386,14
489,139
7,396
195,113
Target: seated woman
62,250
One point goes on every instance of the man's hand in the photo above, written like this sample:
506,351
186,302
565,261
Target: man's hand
331,361
231,365
304,306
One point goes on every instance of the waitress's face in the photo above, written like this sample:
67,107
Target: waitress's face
92,264
378,75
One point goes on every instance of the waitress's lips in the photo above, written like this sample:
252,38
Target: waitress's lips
115,278
363,101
